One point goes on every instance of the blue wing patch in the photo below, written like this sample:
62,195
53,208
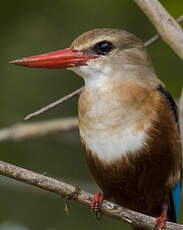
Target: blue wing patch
176,193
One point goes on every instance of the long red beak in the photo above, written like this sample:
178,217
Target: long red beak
56,60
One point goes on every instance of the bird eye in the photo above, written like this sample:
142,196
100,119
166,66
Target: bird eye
103,48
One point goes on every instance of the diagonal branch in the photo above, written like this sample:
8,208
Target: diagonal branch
157,36
72,192
54,104
170,31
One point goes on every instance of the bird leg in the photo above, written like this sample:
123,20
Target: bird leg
161,220
97,203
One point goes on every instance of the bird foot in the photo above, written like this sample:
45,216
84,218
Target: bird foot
161,220
96,204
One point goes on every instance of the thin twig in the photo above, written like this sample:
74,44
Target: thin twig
78,91
170,31
20,132
53,104
66,190
150,41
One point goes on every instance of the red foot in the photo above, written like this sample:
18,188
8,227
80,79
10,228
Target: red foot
161,221
97,202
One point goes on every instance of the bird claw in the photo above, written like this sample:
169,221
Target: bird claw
96,204
161,221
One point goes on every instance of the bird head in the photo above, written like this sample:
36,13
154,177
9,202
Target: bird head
98,54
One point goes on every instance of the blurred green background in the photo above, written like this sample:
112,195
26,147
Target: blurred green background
37,26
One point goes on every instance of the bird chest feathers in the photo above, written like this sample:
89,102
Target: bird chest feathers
113,119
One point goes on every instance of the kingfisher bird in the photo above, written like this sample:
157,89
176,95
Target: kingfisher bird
128,122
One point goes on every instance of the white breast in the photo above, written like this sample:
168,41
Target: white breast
114,147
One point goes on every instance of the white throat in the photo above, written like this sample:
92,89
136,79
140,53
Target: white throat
91,76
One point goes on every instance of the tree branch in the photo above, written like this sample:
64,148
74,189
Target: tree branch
72,192
166,26
20,132
157,36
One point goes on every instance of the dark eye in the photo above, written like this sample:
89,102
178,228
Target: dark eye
103,48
